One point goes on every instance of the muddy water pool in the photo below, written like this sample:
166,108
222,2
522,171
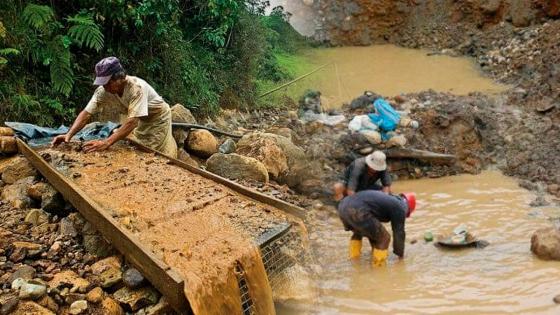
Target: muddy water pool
390,70
501,278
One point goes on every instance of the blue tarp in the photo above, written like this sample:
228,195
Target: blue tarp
37,135
385,117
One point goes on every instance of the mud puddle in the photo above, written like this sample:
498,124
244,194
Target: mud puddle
390,70
502,278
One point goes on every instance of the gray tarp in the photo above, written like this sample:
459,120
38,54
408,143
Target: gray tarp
39,136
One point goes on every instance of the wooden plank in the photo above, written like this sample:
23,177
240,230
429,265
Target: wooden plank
251,193
422,155
162,276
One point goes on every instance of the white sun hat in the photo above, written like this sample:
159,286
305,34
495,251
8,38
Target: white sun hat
377,161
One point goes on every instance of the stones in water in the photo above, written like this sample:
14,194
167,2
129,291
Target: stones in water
132,278
557,299
428,236
235,166
545,243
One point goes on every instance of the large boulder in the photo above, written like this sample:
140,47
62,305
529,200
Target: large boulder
202,143
16,194
545,243
269,153
299,167
181,114
235,166
8,145
16,169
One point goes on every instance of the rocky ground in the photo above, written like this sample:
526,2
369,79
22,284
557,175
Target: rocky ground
53,262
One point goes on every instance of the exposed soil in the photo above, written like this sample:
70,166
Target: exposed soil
194,225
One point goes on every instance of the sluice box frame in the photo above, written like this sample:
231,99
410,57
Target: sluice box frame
162,276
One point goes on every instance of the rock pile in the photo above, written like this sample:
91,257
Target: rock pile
52,260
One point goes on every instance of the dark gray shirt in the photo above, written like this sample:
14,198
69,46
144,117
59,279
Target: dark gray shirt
358,178
386,208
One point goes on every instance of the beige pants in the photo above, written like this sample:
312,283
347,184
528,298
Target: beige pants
155,132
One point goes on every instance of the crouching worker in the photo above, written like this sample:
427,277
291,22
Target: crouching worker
149,116
363,212
366,173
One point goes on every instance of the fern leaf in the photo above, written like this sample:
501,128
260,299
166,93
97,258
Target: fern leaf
9,51
62,76
85,32
37,16
3,31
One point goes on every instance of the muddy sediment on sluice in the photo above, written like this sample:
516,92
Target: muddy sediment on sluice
202,229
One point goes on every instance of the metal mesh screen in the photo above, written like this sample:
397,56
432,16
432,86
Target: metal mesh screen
276,259
247,305
275,253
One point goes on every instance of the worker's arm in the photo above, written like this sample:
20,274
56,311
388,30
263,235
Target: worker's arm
399,234
354,179
119,134
386,181
78,124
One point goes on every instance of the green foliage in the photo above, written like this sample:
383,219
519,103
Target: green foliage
85,32
61,72
37,16
201,53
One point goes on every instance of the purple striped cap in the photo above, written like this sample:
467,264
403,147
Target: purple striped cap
105,69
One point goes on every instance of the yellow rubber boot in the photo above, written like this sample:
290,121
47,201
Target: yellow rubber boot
355,249
379,257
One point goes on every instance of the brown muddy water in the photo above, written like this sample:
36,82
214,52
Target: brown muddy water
390,70
501,278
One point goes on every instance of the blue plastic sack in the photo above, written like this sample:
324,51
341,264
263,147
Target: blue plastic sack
386,117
